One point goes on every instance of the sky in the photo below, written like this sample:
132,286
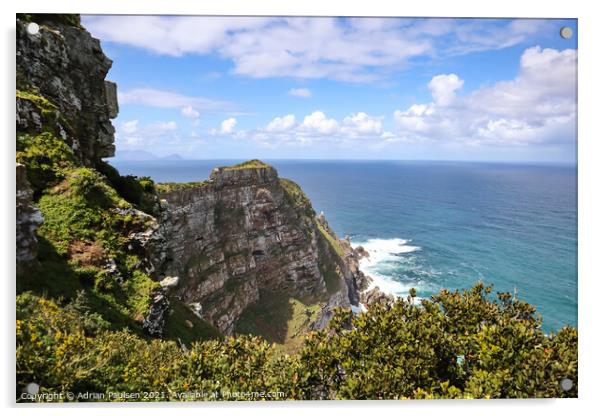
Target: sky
342,88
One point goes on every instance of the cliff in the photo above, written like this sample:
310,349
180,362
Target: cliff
61,86
245,235
242,252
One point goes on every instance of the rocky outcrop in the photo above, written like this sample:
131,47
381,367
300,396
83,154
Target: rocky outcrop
29,219
245,233
376,296
61,86
154,321
338,300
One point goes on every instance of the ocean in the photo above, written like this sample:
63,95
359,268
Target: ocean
433,225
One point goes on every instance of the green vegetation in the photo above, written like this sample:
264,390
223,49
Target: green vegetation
329,268
89,216
333,242
46,157
296,197
50,117
176,327
250,164
457,345
141,192
460,344
46,107
86,227
166,187
78,321
279,319
84,208
66,19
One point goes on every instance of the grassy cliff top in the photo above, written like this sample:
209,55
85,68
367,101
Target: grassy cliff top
165,187
249,164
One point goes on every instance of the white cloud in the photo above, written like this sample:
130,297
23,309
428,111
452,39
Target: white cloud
361,124
129,127
317,126
538,106
281,124
161,127
190,112
300,92
131,141
227,126
413,119
170,99
443,88
318,123
131,135
169,35
354,50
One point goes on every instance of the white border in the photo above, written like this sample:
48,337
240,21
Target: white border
590,206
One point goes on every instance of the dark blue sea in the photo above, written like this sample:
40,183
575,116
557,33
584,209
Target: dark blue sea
433,225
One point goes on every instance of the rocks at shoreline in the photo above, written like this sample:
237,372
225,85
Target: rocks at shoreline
376,296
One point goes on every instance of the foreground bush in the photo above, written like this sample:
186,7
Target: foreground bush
457,345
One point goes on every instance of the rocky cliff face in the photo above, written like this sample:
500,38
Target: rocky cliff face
29,219
244,234
61,86
61,93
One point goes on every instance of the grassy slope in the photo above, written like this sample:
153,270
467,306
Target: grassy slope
87,219
279,319
176,327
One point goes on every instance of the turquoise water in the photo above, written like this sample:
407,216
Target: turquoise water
433,225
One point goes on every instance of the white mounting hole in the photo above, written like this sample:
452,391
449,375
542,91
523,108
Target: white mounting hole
566,32
33,28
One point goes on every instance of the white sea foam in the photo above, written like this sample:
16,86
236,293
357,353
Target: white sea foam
385,254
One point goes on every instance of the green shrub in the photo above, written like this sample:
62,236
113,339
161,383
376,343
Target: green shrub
86,226
165,187
82,208
296,197
138,191
46,157
459,345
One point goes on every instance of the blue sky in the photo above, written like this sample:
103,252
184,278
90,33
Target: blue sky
377,88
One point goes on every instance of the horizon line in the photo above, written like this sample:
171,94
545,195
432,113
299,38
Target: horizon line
180,159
